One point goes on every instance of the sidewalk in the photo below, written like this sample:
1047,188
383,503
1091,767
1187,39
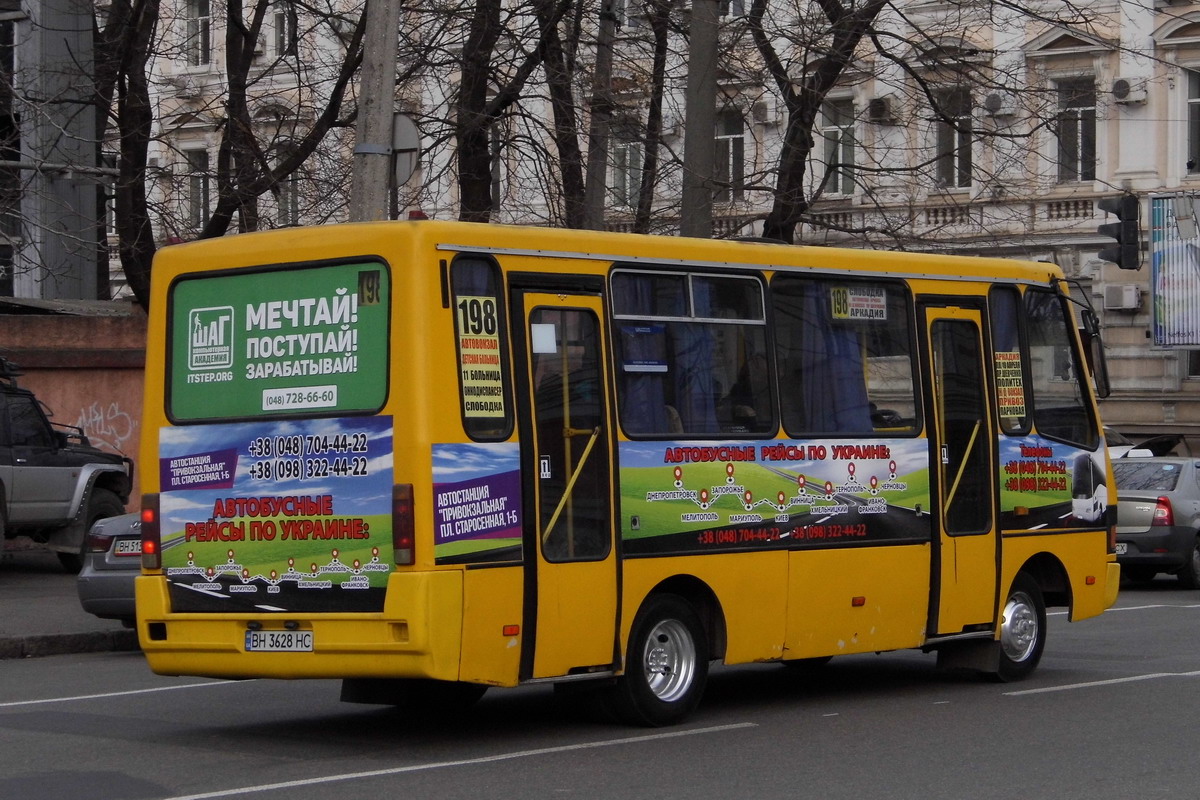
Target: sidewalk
40,613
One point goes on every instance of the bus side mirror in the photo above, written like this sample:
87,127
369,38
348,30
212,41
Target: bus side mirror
1093,351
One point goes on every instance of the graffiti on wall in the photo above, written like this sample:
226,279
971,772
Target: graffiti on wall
108,426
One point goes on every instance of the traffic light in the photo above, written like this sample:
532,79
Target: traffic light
1126,254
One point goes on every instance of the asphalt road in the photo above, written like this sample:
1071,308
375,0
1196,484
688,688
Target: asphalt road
1110,714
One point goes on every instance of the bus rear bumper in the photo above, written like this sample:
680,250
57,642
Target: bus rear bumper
416,636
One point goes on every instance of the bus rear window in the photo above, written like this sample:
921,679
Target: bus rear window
304,340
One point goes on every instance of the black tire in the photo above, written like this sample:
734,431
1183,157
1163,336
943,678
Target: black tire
1022,630
1189,576
666,666
101,503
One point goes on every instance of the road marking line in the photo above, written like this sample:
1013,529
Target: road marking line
1154,605
1108,682
16,703
466,762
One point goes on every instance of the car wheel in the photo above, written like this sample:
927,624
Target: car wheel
102,503
1022,630
1189,576
666,666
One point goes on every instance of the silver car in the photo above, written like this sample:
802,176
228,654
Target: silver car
1158,518
112,558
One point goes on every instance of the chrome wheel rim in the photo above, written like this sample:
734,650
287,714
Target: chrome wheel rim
1019,630
669,660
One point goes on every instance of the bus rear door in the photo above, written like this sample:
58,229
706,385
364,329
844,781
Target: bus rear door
571,592
962,441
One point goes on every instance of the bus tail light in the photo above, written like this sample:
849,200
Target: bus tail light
1163,513
403,524
151,533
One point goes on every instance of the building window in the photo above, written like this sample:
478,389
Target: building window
730,174
110,161
1193,118
199,32
837,131
285,28
1076,123
954,132
733,8
199,188
626,13
499,149
627,172
1193,363
288,199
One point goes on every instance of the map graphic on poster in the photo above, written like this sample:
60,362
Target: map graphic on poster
696,496
271,516
477,502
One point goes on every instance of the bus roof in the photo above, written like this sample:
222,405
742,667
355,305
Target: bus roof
377,238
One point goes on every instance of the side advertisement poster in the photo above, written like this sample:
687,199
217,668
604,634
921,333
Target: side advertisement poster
1046,484
687,497
477,502
277,517
306,339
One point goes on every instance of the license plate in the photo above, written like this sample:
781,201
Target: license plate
279,641
1122,548
127,547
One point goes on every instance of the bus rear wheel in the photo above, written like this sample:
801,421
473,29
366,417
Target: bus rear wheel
1022,630
666,666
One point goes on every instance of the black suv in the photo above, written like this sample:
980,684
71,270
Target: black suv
53,483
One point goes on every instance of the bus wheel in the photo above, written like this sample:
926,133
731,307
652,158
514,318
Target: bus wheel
1022,630
1189,576
666,667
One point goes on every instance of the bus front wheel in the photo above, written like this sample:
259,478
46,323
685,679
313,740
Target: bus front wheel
666,666
1022,630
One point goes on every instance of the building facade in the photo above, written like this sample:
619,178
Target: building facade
961,127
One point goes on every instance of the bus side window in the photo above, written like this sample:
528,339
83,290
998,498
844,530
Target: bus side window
481,337
692,355
1008,361
1060,410
844,355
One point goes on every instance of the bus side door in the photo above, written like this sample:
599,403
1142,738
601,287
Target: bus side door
571,592
962,439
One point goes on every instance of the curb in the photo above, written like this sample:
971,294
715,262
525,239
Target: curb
58,644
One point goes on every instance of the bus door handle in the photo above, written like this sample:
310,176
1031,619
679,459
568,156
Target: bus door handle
562,502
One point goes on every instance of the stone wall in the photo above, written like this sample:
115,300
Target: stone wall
87,369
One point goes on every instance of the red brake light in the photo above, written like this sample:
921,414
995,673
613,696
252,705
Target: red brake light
96,544
151,533
403,524
1163,513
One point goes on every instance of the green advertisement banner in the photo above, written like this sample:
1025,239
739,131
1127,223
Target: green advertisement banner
301,340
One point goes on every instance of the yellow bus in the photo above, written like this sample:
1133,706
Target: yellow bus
430,457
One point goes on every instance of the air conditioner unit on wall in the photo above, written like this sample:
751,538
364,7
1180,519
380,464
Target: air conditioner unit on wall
1000,104
1122,297
1129,90
881,110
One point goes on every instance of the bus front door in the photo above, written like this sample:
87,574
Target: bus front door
963,443
571,593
